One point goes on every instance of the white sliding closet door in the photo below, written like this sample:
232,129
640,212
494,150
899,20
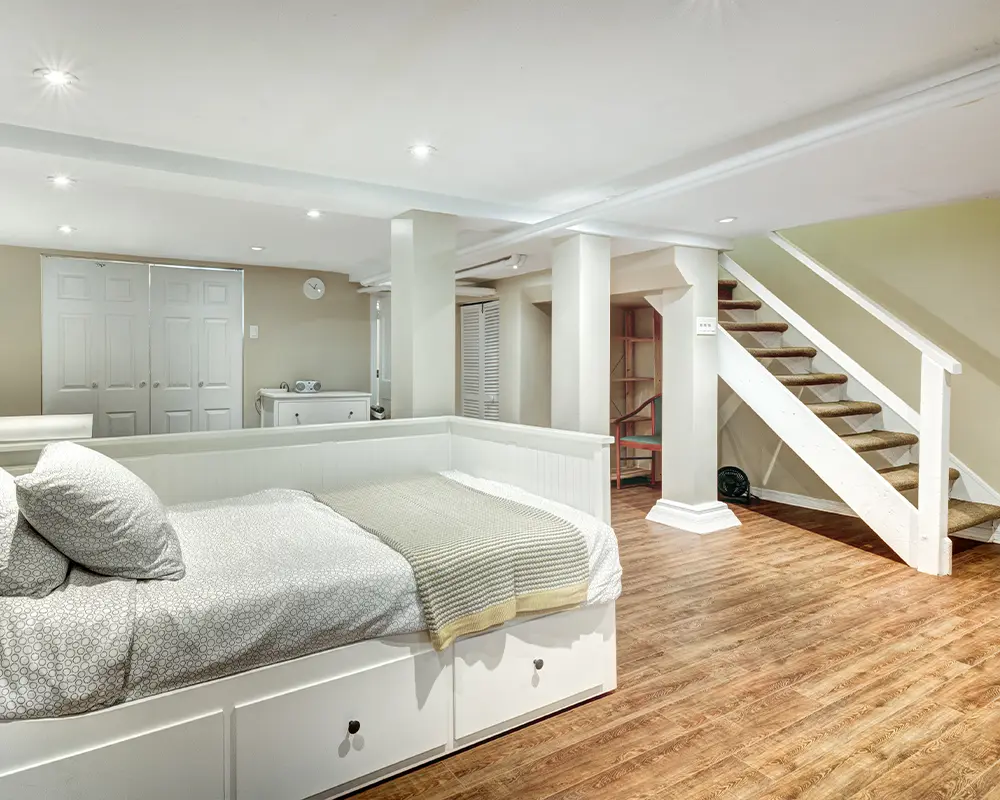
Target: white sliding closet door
196,341
95,343
480,325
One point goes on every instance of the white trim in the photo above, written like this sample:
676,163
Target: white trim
945,360
804,501
700,518
821,342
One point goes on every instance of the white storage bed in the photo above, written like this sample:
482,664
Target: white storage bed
284,731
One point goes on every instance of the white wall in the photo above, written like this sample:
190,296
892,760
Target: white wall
525,352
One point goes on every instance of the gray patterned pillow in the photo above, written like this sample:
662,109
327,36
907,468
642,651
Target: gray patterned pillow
29,565
99,514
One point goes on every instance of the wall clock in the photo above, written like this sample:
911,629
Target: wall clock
313,288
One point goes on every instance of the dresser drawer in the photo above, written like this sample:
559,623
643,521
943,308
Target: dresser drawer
515,670
320,411
298,744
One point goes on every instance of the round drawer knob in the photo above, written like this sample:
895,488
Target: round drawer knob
353,727
539,663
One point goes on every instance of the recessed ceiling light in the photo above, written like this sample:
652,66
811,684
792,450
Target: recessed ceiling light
422,151
314,213
726,220
61,180
66,229
256,247
55,77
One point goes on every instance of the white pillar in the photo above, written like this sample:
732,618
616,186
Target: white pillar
423,314
581,334
690,399
931,546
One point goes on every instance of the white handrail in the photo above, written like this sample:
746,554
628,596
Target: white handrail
799,323
945,360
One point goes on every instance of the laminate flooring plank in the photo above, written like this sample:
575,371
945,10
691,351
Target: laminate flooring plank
794,656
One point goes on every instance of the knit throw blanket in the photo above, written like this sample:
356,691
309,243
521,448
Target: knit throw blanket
479,560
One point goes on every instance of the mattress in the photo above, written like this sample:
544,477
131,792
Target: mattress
270,576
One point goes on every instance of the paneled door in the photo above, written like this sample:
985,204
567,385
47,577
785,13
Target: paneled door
196,341
95,343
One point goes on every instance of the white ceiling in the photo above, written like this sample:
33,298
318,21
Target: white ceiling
200,128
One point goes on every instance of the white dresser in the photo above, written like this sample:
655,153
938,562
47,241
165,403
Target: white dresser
279,408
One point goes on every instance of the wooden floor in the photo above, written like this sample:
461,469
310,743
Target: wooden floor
792,657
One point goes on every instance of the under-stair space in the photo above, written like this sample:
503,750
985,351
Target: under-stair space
799,383
636,364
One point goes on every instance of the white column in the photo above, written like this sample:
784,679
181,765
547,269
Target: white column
423,314
932,547
511,350
581,334
690,399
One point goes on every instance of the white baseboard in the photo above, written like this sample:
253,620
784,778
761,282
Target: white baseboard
804,501
700,518
982,533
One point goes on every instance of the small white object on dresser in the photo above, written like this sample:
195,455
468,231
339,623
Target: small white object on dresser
279,408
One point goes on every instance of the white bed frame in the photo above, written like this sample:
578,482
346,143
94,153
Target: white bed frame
282,732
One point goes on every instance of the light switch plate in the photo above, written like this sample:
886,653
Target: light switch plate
705,326
254,332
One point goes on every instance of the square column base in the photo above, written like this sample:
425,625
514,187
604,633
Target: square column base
700,518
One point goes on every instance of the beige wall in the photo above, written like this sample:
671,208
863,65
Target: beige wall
937,269
328,339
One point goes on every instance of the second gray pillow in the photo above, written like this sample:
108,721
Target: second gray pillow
99,514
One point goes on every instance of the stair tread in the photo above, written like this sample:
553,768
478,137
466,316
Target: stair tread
762,327
812,379
728,283
878,440
844,408
964,514
782,352
908,476
751,305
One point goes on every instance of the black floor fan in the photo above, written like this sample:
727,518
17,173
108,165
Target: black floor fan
734,486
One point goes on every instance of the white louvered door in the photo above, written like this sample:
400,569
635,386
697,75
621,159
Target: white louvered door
491,360
480,324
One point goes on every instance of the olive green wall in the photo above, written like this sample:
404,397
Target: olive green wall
937,269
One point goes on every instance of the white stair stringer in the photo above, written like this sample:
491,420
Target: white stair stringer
855,481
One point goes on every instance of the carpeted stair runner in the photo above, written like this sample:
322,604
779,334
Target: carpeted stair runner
812,379
755,327
782,352
733,305
962,514
844,408
907,477
878,440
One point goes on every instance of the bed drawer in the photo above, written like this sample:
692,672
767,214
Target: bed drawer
515,670
298,744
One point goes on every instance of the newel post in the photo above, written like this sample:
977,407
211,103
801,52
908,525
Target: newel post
931,544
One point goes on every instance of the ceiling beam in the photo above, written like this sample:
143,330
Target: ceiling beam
979,78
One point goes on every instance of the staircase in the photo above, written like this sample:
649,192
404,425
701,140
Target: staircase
857,435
